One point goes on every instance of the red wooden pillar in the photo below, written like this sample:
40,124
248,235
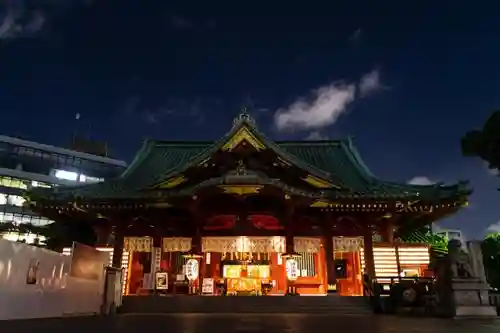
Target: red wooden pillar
289,227
196,249
215,259
157,238
320,263
203,266
289,234
368,252
331,278
275,273
329,261
388,233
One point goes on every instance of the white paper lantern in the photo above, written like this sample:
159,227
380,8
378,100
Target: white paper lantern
192,269
292,271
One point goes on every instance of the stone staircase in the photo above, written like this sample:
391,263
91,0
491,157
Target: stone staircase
334,304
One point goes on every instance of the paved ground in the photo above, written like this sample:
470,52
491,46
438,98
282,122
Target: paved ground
194,323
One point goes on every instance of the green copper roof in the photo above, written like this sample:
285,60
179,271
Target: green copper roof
337,161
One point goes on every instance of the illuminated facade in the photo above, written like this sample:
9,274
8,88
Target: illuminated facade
25,165
255,216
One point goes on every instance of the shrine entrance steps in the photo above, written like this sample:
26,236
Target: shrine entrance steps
334,304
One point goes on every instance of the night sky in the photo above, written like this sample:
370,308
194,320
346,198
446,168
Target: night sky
406,78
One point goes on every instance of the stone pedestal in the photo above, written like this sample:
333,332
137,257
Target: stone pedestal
470,298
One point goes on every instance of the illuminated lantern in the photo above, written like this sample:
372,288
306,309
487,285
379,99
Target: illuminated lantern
192,269
292,271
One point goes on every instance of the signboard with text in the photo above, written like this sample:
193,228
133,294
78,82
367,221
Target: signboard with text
208,286
161,280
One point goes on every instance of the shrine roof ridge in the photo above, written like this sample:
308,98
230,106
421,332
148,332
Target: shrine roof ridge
334,161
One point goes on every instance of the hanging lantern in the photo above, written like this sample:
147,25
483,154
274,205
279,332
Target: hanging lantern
292,270
192,269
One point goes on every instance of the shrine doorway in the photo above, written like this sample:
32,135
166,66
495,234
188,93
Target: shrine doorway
245,263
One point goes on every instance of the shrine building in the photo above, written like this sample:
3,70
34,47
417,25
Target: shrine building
243,206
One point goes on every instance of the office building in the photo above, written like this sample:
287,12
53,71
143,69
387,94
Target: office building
451,234
26,164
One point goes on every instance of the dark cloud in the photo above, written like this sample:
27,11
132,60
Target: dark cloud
26,18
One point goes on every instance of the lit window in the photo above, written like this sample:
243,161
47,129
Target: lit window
7,217
40,221
15,200
23,219
35,183
13,182
93,179
25,238
5,181
68,175
18,183
3,199
88,179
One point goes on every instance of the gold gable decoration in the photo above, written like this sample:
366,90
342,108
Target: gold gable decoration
306,244
139,244
348,244
320,204
173,182
241,189
319,183
243,134
177,244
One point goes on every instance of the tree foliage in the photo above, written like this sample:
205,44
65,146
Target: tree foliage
438,244
491,258
58,234
484,143
65,233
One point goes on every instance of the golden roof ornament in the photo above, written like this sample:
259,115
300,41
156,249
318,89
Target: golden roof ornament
244,116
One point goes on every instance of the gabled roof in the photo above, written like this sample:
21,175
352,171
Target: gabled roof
335,163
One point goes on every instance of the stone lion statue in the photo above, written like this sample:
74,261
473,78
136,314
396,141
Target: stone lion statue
459,260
